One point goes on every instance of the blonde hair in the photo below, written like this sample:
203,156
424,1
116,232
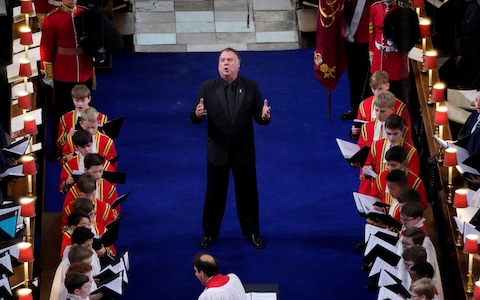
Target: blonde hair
423,287
378,78
90,114
384,99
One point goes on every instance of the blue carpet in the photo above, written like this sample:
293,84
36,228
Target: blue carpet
308,218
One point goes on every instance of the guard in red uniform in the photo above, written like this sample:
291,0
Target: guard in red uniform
62,60
384,55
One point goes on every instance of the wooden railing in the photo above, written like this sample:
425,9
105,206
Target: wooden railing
452,260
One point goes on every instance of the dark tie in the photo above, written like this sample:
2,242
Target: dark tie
77,125
230,93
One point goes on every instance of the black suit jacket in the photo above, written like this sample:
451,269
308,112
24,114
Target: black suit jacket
230,139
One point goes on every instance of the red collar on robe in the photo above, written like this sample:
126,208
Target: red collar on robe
217,281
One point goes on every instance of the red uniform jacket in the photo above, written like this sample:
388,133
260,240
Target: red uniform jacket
104,214
45,6
379,190
393,62
368,133
376,159
104,144
68,121
107,193
59,46
73,164
399,108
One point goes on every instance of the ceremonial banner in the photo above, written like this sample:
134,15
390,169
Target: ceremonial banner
329,56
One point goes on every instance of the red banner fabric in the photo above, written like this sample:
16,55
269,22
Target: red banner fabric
329,55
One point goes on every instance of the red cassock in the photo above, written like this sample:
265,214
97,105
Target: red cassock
379,190
107,193
104,214
376,159
399,108
367,134
69,121
104,144
60,47
73,164
393,62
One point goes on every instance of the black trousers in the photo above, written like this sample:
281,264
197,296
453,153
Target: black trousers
62,103
246,195
358,69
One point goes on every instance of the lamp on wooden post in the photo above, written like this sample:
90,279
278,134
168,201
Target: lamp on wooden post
470,247
450,161
460,202
27,211
29,169
25,256
430,63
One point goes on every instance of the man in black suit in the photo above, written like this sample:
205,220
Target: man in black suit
231,101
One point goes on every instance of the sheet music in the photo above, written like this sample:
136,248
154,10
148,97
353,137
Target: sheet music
466,214
20,148
473,198
461,98
372,230
385,293
365,201
126,260
462,155
379,265
5,283
347,148
6,261
261,296
386,279
373,241
13,171
115,285
444,144
370,172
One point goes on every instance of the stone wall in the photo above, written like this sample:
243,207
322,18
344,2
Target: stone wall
211,25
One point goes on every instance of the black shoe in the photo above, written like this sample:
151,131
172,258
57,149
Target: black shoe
256,241
206,242
371,287
366,268
360,246
349,115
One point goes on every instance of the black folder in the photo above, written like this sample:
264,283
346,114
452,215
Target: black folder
112,128
360,156
106,288
385,254
386,219
473,161
115,177
387,237
16,149
111,235
119,200
397,288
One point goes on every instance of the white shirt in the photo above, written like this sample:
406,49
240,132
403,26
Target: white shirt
232,290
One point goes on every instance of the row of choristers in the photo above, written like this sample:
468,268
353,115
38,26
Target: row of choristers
91,208
397,251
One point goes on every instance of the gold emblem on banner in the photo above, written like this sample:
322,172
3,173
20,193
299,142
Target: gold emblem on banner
328,11
324,68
